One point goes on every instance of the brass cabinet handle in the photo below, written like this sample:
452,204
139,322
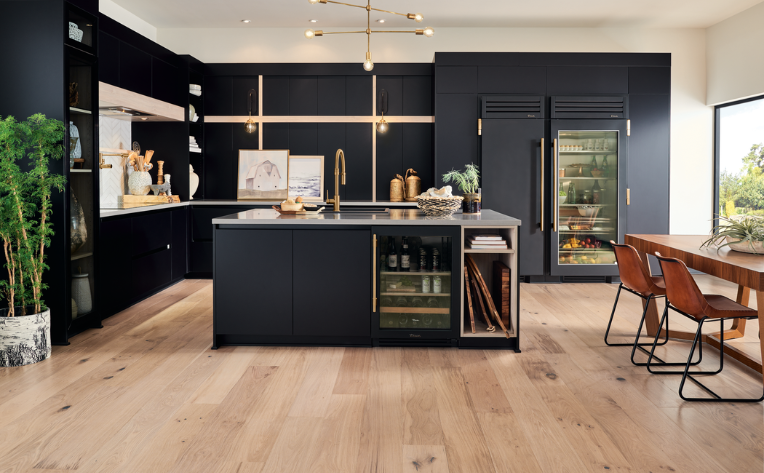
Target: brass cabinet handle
374,276
556,194
541,224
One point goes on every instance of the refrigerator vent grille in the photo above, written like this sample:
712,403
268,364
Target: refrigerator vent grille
512,106
590,107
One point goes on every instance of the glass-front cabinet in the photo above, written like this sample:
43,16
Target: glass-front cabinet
589,166
416,278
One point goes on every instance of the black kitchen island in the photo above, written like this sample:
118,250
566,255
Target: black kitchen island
329,280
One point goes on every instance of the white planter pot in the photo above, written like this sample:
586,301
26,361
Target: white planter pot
24,339
193,182
139,183
745,247
561,199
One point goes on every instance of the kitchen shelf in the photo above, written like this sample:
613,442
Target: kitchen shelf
194,150
417,273
79,111
590,153
414,310
81,255
481,332
590,178
585,205
78,171
489,250
440,294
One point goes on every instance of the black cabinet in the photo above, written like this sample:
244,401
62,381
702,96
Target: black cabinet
456,134
200,249
179,246
108,59
332,304
135,69
150,273
253,282
512,173
150,232
115,264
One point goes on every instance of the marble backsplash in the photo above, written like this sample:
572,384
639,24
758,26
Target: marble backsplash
113,134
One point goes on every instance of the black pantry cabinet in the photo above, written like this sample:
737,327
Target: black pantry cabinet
497,110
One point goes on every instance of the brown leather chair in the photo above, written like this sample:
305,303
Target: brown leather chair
636,280
684,297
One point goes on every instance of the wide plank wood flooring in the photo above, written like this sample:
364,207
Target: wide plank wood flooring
147,394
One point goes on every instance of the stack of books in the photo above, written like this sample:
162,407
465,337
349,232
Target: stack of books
486,242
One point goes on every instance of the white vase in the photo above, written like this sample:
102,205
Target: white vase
139,183
744,247
74,132
24,339
193,181
81,293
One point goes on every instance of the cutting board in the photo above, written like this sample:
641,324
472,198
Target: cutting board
501,282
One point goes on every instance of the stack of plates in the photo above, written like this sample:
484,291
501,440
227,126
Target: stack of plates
192,145
195,89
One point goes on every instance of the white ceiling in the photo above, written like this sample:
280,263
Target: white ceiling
438,13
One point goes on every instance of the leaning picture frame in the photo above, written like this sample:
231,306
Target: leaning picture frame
263,175
306,177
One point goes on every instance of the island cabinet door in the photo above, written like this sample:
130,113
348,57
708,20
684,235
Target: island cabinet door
332,283
253,282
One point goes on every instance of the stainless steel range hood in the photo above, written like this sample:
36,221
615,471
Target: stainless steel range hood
126,105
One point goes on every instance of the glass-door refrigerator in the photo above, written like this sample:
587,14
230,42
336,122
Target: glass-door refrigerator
590,195
416,271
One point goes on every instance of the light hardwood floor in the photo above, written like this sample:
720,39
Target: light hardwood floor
146,394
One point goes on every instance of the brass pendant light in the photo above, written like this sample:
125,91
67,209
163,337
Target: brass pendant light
368,65
250,126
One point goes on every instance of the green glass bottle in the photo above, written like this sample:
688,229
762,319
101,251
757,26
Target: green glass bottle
572,193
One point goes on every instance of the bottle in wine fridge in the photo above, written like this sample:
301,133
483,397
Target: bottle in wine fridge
392,256
405,257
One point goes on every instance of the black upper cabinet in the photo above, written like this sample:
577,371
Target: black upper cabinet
511,80
649,80
218,95
275,135
456,80
303,95
240,88
329,138
135,69
108,59
302,139
358,90
456,139
574,80
358,138
276,95
393,85
345,259
417,96
389,158
167,84
331,95
417,151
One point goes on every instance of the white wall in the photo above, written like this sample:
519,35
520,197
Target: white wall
691,119
119,14
735,57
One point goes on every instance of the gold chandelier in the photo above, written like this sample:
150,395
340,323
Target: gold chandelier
367,64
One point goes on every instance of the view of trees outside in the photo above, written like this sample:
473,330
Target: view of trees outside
741,160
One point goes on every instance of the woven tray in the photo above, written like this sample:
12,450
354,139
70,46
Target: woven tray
439,206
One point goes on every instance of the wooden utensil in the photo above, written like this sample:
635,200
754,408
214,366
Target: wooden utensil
149,154
479,297
469,298
481,283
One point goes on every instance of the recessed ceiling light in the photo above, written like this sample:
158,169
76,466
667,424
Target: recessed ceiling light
245,21
381,20
313,21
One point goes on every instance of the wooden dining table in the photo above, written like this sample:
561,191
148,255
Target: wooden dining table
745,270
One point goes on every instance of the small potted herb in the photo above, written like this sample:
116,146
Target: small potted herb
25,233
468,182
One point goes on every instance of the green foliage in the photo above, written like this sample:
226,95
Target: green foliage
468,181
749,228
25,204
746,189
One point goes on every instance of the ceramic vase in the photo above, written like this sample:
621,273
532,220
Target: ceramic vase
24,339
78,232
139,183
76,151
81,293
193,181
169,186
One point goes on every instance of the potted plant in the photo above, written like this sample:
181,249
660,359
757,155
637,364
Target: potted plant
744,233
468,181
25,232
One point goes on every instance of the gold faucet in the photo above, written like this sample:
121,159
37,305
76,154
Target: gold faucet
336,199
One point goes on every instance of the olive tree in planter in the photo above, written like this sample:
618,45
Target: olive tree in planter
25,232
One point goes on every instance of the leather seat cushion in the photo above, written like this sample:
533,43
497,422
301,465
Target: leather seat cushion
720,306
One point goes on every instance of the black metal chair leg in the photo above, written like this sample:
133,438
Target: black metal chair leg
687,375
652,356
639,332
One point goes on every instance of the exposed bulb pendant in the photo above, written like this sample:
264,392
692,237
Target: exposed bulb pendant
382,125
367,64
250,126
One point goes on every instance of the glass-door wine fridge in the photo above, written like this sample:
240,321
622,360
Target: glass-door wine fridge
416,278
590,195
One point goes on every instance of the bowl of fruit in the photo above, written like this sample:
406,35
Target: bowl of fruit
597,172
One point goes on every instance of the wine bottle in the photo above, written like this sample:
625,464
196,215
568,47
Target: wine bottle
571,193
392,256
596,198
405,257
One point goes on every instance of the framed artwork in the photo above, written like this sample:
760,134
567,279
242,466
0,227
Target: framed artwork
306,177
263,174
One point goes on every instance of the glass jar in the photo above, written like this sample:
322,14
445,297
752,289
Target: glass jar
587,198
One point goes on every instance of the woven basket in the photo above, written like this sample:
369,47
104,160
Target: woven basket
439,206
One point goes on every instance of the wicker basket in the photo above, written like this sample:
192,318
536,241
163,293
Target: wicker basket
439,206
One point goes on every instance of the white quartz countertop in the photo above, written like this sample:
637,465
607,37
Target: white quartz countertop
394,217
104,213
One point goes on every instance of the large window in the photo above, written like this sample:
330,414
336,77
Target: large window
740,158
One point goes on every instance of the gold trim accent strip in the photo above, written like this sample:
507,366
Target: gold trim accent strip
480,126
628,127
556,194
374,139
541,224
260,110
628,196
374,275
317,119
